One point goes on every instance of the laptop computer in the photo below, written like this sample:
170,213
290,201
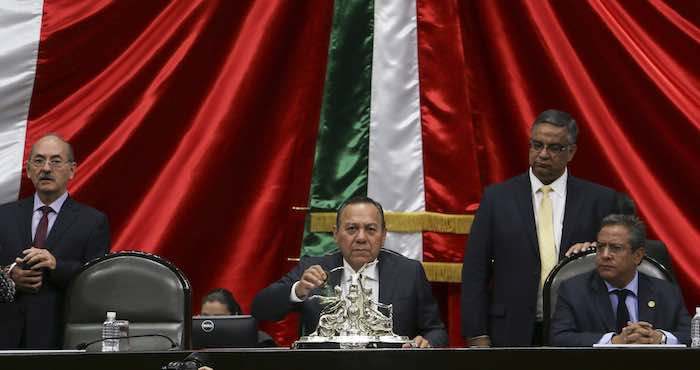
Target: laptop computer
237,331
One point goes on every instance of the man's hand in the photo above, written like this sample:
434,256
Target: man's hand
638,333
480,341
418,342
580,247
28,281
312,278
39,258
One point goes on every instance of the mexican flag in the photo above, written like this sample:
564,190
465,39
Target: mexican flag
395,127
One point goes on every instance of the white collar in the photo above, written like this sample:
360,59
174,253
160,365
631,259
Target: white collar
371,272
55,205
558,185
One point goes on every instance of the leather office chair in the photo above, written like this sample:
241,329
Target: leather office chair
145,289
579,264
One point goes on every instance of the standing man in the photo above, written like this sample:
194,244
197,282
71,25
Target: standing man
46,238
615,303
360,232
522,228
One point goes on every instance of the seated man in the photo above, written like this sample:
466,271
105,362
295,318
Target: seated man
360,233
615,303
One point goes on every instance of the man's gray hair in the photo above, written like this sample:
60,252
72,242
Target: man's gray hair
560,119
634,225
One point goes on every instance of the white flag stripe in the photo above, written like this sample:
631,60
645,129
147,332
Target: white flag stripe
20,27
395,144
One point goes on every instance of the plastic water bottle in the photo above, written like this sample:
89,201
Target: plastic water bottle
110,330
695,329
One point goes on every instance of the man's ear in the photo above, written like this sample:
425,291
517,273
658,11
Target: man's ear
73,167
639,255
334,228
572,151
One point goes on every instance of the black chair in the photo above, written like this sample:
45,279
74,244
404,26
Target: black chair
579,264
145,289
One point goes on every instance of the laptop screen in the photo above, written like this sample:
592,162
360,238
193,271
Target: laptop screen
238,331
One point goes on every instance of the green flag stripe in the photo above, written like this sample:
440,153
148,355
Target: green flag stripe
342,145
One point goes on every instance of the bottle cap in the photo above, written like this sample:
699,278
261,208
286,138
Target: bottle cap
111,315
697,310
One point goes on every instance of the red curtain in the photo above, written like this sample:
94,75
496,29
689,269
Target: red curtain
194,122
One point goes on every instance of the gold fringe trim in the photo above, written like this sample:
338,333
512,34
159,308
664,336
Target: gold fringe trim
443,272
404,222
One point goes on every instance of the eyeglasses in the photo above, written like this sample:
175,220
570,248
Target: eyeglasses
612,248
53,163
552,148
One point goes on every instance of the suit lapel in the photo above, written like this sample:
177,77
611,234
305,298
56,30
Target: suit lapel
523,198
646,296
572,207
602,302
66,217
24,220
387,280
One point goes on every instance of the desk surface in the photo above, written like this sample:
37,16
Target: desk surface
429,359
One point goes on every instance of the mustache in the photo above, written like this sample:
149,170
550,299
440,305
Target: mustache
46,176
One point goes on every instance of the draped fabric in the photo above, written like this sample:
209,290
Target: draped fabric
342,144
194,122
194,125
627,71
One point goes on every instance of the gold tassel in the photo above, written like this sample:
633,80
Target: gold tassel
405,222
443,272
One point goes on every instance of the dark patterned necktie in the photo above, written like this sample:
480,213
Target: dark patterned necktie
43,228
623,316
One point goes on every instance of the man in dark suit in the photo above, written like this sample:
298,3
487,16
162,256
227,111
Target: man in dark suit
46,238
656,249
522,228
615,303
360,233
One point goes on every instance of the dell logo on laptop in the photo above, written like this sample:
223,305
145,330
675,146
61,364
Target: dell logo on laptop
207,326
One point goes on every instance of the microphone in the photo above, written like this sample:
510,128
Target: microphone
190,363
84,345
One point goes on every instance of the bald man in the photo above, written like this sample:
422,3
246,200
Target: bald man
45,239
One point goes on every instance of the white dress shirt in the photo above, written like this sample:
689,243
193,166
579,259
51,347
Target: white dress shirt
371,280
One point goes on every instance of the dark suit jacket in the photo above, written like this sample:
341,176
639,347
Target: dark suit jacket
402,283
79,234
501,273
583,313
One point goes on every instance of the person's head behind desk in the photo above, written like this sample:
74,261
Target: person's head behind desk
220,302
620,248
360,230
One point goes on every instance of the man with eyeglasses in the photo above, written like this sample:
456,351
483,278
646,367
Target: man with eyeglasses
615,303
521,230
45,239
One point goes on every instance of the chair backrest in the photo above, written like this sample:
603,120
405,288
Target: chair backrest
148,291
579,264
